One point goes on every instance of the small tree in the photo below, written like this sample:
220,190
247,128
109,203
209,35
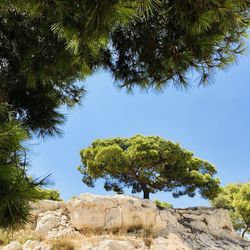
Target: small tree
236,199
148,164
17,189
50,194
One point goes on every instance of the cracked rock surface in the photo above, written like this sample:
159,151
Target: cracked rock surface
160,229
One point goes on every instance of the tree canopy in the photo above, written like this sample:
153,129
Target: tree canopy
236,199
47,49
36,78
148,164
47,46
183,37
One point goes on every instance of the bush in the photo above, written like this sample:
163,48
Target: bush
50,194
162,204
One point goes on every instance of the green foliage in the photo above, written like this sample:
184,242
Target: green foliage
36,78
162,204
50,194
47,46
236,199
184,36
148,164
17,190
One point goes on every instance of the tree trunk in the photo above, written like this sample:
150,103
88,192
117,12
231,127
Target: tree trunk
145,194
3,97
244,231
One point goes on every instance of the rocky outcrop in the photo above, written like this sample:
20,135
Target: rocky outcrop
55,224
115,212
95,222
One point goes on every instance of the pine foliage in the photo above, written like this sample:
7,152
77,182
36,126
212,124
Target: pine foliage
183,38
17,189
147,164
47,47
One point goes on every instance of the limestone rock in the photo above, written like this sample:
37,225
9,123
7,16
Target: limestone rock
13,246
141,225
47,221
46,205
212,221
203,241
114,245
173,242
35,245
94,211
55,224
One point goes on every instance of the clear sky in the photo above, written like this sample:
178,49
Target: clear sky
213,122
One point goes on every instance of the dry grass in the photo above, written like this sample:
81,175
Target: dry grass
63,244
132,234
21,236
135,235
138,231
4,238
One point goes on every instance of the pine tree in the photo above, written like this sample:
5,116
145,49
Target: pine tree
183,37
17,189
48,47
147,164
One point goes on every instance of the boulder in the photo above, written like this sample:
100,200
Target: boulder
55,224
114,245
48,221
111,212
15,245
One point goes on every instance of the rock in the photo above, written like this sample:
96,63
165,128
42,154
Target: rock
114,245
13,246
46,205
167,221
203,241
47,221
141,225
212,221
173,242
35,245
63,232
110,212
55,224
31,244
180,228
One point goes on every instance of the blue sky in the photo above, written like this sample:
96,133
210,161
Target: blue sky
213,122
